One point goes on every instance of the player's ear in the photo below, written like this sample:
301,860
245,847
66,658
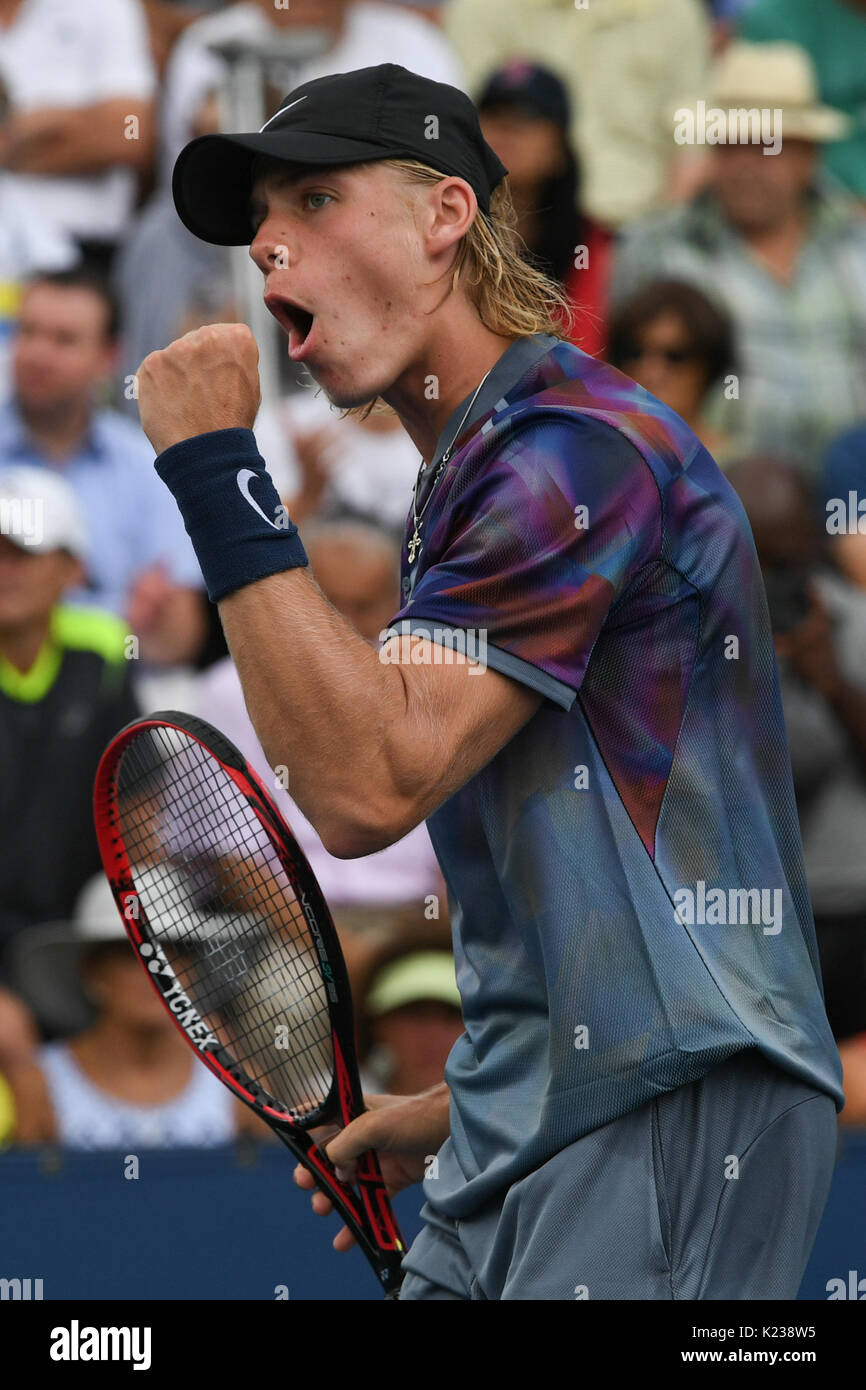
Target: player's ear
453,207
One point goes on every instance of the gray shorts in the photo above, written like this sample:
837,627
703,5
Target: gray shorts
712,1191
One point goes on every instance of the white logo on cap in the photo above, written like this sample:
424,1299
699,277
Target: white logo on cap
282,111
244,479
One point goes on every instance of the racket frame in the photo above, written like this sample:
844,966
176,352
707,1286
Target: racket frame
371,1221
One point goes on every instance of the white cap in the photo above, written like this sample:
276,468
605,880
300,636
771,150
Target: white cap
40,512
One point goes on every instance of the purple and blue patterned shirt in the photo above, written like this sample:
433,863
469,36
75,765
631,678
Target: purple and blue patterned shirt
625,876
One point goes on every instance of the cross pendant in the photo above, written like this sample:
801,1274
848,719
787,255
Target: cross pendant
414,546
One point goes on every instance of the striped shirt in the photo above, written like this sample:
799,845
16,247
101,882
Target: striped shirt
801,345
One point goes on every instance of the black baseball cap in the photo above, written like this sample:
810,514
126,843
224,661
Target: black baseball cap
382,112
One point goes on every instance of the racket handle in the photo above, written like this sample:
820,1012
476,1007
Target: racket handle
389,1238
385,1259
377,1205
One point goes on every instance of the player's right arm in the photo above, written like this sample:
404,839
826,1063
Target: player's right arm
405,1131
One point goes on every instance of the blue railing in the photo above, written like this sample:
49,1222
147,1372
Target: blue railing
230,1224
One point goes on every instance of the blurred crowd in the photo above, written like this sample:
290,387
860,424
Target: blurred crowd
725,274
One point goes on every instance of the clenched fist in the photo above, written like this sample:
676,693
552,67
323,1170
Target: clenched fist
206,380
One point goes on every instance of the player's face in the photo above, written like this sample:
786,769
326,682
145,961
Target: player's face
340,244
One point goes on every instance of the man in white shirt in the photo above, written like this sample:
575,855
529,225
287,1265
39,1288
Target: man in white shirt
81,82
28,243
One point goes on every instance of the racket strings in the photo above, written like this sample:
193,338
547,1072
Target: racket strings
221,906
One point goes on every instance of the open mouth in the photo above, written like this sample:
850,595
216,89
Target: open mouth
301,321
293,318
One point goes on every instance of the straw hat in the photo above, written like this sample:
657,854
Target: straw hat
776,76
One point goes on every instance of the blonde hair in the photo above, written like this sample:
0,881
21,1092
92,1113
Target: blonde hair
513,298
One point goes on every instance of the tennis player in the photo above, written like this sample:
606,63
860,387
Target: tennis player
579,696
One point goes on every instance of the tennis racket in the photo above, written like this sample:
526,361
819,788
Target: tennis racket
226,917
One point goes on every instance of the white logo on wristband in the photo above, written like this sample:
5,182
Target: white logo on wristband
245,477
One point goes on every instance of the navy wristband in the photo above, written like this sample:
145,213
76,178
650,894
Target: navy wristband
238,526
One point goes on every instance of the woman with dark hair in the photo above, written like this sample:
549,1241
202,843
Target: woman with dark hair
680,347
525,117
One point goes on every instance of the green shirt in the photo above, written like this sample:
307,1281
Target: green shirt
55,721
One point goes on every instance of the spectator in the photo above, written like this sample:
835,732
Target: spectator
19,1040
356,567
783,254
834,35
166,21
64,691
627,68
28,243
19,1036
409,1018
330,466
369,931
676,344
525,118
81,82
127,1079
819,624
845,474
141,565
